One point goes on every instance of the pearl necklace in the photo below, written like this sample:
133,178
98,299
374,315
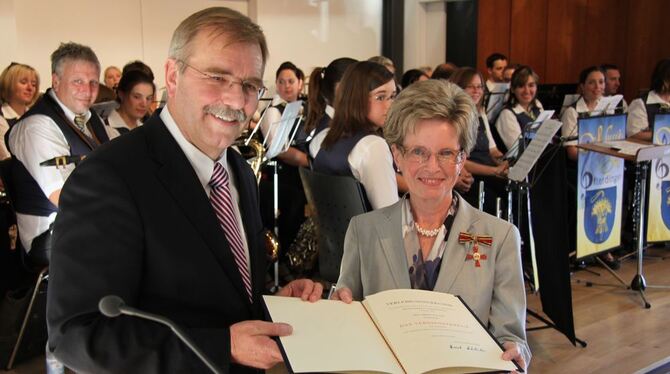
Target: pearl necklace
425,232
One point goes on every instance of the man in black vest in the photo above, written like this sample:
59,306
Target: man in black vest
59,124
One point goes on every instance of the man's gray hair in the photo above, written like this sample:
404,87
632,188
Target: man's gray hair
72,52
432,99
237,27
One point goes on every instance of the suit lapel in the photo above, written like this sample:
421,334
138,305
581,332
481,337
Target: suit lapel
392,243
247,189
180,180
455,253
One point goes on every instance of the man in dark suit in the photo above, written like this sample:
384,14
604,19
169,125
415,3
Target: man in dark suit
145,218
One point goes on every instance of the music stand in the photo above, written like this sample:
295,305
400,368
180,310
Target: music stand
551,95
640,153
286,128
495,99
518,177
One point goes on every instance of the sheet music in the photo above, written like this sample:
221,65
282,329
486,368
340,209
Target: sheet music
520,170
570,99
544,115
607,103
280,141
624,146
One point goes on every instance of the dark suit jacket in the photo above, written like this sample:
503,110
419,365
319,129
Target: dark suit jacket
135,222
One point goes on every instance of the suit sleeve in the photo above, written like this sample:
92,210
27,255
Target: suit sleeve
508,305
350,270
98,250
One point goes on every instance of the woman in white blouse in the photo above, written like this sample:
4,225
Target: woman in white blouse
19,89
353,145
592,87
522,106
641,111
135,93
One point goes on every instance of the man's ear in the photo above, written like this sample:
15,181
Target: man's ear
55,82
171,76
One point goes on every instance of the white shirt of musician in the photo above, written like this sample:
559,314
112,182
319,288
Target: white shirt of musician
35,139
637,113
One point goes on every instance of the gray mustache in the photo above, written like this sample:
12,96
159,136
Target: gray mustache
226,113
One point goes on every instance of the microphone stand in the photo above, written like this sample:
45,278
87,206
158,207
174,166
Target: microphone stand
113,306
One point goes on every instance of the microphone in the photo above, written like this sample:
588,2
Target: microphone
113,306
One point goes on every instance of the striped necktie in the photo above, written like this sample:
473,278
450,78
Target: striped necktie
222,203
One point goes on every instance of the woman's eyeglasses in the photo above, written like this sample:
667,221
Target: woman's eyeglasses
421,155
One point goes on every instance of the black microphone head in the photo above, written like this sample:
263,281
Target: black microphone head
110,306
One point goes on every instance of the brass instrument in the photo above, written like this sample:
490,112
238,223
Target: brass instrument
303,253
253,151
271,246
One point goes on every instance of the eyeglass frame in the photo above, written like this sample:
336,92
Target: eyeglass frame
222,80
456,159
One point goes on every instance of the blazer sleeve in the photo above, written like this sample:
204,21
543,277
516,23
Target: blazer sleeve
350,269
98,250
507,318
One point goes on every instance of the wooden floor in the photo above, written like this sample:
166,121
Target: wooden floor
622,336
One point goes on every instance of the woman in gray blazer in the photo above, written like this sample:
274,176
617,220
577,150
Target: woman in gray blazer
432,239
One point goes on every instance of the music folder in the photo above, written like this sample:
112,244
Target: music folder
396,331
286,129
532,153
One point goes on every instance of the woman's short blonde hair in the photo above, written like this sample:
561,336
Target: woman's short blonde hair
14,73
432,99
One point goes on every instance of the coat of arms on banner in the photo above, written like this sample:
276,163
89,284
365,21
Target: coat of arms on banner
665,203
599,213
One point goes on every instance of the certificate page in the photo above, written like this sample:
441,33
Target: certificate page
331,336
434,331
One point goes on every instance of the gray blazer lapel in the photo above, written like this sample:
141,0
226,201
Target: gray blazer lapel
392,243
454,254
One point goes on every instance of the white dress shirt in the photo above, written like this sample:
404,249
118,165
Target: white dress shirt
637,113
115,121
204,168
508,126
32,140
371,164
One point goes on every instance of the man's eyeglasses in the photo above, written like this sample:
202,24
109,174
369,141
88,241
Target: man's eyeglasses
224,82
421,155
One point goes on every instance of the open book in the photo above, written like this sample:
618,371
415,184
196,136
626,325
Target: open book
395,331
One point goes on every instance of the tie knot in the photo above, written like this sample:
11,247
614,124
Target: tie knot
80,121
219,176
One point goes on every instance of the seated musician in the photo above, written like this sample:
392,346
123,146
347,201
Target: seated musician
59,124
592,88
19,89
323,83
485,160
642,110
433,239
353,145
522,106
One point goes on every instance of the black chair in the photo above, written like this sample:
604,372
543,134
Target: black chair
335,200
33,325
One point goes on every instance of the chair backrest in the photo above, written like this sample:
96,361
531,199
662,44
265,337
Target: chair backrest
335,199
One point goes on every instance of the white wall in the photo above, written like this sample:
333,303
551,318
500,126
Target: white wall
313,33
425,33
308,32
